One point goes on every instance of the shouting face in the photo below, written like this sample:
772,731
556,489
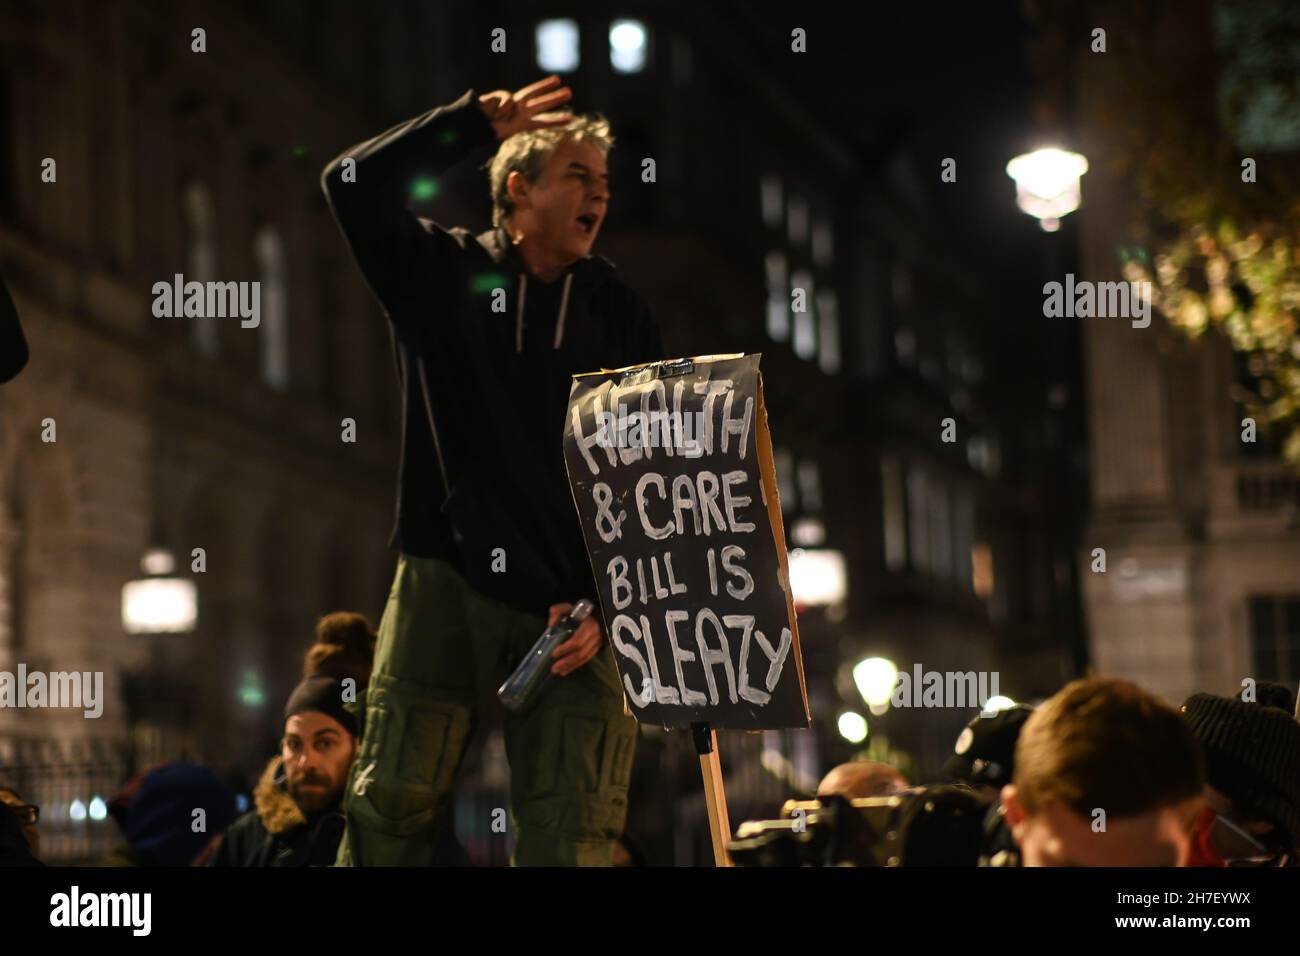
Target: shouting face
317,753
562,212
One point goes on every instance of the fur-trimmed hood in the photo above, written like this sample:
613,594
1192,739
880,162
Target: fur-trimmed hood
274,805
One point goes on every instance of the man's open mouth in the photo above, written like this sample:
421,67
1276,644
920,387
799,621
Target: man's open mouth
587,223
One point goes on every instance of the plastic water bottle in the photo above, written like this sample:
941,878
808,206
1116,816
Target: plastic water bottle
532,675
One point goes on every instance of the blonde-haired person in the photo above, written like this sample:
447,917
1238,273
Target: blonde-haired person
489,329
1106,774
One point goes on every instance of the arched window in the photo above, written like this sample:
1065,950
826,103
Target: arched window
268,250
201,259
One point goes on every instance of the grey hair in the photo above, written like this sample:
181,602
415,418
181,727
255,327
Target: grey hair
528,153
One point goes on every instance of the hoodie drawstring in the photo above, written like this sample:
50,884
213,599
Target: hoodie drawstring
519,312
564,307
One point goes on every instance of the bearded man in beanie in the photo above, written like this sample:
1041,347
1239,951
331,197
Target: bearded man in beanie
297,820
1252,758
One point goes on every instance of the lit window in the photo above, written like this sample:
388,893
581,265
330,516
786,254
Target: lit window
778,317
981,559
201,259
828,331
557,46
778,303
627,46
805,330
963,538
771,189
268,250
785,478
823,244
798,221
810,485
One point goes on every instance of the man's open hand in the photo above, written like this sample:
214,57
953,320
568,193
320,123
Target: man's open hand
578,649
511,113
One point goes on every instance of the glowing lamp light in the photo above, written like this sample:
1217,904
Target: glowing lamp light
853,727
98,809
77,811
1048,184
424,189
875,678
159,604
817,576
250,691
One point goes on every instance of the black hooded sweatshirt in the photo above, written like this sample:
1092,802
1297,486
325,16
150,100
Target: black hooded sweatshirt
484,391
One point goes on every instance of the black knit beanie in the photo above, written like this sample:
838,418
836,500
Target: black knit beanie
324,695
1252,752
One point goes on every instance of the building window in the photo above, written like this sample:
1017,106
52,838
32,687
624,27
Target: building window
901,284
805,327
982,574
557,46
823,244
784,462
1275,638
797,221
963,539
918,531
892,515
627,46
771,199
201,259
828,331
268,250
810,485
778,302
940,531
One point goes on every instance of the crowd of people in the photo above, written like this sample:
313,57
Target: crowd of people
1103,773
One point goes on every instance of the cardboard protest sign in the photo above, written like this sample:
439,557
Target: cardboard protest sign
670,465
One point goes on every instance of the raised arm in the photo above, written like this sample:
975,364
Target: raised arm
369,195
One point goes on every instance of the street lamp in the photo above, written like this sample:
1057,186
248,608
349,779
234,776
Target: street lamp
159,603
1048,184
875,678
853,727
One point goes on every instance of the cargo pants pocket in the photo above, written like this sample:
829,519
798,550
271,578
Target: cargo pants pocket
413,744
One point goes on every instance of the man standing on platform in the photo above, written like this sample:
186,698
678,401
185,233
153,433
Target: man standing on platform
487,331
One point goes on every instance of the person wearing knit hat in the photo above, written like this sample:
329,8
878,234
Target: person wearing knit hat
1252,755
297,820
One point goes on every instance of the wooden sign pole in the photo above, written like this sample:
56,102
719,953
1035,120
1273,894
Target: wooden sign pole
715,794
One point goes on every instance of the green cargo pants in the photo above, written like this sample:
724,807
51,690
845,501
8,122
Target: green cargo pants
440,645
